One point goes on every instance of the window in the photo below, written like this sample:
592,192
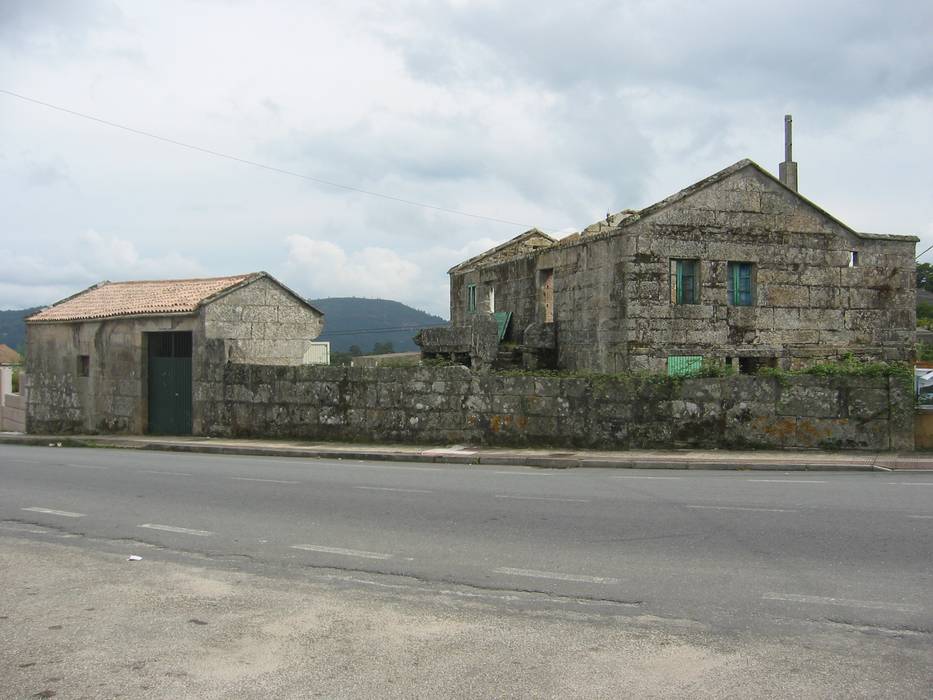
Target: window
853,258
751,365
84,365
684,365
740,284
471,297
492,299
685,288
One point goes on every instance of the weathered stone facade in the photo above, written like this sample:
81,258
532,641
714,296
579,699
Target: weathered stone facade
454,405
257,321
818,289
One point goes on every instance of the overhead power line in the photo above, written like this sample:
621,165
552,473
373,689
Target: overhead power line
264,166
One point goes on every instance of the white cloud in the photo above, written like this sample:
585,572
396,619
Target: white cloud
543,115
40,278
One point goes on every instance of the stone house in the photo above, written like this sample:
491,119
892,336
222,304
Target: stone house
737,268
124,356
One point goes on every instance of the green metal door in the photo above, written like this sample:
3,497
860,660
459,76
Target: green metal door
170,383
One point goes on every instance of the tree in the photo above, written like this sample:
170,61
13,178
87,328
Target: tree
383,348
355,350
925,276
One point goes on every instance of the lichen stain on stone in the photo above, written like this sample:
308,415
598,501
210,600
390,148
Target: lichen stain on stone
782,429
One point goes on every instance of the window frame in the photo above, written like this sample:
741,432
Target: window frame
677,281
735,295
471,298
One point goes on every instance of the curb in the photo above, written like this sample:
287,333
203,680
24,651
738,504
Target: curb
477,459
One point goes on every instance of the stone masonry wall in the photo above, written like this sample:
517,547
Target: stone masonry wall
453,405
262,323
612,289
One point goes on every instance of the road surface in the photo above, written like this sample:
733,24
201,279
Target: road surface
732,550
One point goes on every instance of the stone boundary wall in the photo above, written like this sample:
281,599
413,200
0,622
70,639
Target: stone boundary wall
455,405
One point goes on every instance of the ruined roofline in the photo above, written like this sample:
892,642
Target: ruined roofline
627,217
530,233
632,218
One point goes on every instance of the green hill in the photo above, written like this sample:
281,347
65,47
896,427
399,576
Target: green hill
365,322
349,321
12,328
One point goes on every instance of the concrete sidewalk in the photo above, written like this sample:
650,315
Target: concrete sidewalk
776,460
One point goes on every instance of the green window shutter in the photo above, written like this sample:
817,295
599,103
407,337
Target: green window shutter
680,281
736,298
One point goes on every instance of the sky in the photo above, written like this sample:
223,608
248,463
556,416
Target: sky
525,113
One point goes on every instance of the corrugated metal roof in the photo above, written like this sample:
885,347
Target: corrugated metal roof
143,298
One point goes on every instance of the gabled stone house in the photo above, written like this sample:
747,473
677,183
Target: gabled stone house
141,357
737,268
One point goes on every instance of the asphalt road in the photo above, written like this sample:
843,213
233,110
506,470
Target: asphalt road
732,550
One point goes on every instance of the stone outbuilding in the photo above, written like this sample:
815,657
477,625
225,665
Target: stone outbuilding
132,357
737,268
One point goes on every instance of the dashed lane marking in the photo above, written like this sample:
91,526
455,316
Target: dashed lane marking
644,477
388,488
86,466
757,510
156,471
555,576
341,551
179,530
541,498
50,511
841,602
785,481
267,481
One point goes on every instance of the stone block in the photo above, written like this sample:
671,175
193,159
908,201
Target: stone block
809,399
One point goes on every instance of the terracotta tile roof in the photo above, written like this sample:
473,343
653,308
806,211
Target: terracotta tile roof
146,298
9,356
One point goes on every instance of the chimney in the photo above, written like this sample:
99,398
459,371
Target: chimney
787,171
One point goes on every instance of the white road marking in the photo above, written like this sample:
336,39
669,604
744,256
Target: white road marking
49,511
842,602
766,510
341,551
179,530
156,471
388,488
522,473
85,466
785,481
921,517
541,498
267,481
532,573
910,483
644,477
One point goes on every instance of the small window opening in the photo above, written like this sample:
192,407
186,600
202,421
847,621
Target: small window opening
471,297
740,284
853,258
751,365
84,365
685,287
492,299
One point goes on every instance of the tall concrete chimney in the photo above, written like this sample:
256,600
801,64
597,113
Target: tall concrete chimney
787,171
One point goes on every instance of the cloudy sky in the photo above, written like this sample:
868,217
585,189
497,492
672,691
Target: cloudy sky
534,113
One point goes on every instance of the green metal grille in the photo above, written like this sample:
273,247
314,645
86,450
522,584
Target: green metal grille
684,365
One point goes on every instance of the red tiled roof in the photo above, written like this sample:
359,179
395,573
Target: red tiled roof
9,356
147,298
